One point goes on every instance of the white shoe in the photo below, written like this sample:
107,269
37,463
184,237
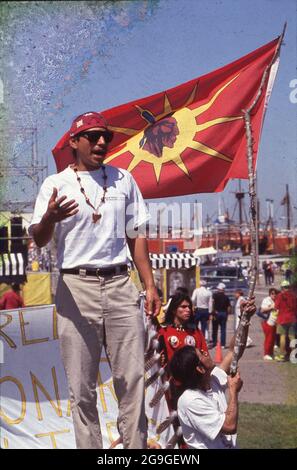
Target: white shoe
268,358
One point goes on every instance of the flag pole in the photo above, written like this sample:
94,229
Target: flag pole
240,337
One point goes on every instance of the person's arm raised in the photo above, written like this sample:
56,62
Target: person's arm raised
56,211
231,414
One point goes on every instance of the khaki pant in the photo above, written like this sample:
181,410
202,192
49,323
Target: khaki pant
95,312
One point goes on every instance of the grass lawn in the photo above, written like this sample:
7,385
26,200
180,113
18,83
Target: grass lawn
271,426
267,426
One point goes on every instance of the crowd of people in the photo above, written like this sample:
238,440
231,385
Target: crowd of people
210,311
278,313
213,309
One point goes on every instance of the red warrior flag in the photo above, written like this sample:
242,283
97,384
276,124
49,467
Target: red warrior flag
190,139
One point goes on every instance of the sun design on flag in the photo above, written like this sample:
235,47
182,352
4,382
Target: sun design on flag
168,134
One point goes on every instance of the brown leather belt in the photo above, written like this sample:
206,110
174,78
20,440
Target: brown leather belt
83,272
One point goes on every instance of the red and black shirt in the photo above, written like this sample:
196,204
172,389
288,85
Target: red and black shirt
171,339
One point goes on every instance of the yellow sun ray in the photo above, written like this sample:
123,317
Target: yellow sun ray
213,122
207,105
209,151
167,106
178,161
191,97
188,129
157,165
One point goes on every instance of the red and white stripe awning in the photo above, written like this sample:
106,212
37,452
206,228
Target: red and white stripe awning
174,260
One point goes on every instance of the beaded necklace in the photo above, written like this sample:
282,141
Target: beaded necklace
178,327
96,215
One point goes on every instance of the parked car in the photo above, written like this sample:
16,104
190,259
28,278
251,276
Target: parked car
231,276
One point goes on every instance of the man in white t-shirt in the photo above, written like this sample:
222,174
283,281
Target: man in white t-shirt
202,302
96,212
208,421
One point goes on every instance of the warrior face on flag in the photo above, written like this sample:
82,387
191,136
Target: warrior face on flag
161,134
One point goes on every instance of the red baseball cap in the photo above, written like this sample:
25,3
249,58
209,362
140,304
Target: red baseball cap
88,121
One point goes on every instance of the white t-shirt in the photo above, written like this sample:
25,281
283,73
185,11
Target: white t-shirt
267,302
80,242
202,415
202,298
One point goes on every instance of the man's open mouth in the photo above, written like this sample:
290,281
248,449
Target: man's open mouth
99,152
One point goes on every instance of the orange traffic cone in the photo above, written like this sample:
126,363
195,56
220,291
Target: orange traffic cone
218,354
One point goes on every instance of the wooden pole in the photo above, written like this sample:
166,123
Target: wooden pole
244,321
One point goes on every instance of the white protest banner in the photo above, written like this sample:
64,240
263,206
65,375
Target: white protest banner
34,408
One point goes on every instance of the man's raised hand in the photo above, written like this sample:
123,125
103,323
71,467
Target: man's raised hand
235,383
56,211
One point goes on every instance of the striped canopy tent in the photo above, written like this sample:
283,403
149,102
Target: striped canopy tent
174,260
12,268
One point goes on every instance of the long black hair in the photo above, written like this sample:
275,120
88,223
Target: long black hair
175,302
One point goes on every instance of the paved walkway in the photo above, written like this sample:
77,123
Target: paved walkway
263,382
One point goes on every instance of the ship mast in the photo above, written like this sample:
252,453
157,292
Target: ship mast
287,203
239,196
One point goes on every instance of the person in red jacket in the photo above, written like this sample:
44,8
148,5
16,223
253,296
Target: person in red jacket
286,304
12,299
178,330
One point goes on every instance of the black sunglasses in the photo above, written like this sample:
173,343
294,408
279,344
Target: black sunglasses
94,136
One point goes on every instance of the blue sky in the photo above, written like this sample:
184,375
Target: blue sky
65,58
